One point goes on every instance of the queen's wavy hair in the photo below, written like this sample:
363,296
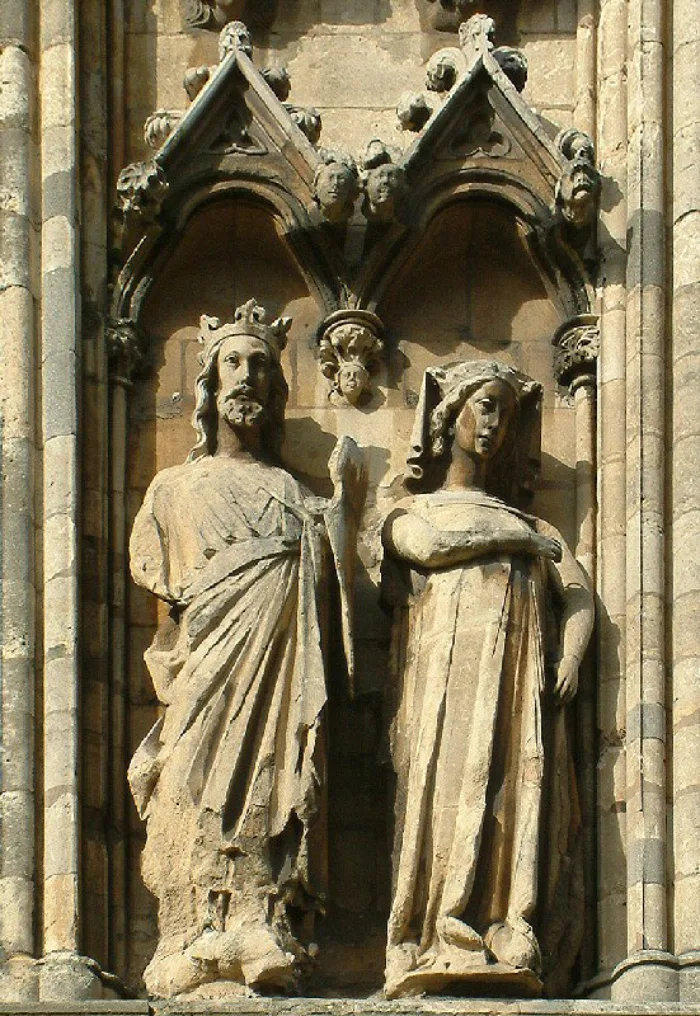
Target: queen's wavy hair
511,473
205,418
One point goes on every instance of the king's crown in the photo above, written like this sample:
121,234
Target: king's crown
248,319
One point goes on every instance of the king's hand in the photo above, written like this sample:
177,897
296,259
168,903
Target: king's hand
349,475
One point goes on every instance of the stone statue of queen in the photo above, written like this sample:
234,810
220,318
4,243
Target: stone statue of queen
486,806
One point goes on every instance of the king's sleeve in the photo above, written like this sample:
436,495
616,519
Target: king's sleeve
148,546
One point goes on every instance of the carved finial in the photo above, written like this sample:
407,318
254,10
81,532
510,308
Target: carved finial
448,65
476,37
336,186
248,319
350,350
578,187
141,188
384,182
234,37
576,349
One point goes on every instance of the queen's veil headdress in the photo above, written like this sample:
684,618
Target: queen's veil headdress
443,393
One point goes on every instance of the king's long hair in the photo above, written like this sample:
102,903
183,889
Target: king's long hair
205,418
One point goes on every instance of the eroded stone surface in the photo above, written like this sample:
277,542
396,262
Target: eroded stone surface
232,777
486,805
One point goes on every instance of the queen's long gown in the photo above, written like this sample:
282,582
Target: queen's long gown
467,746
231,778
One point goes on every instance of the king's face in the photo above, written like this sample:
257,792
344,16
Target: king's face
245,364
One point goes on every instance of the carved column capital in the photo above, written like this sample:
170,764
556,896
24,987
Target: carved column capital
576,348
126,350
350,348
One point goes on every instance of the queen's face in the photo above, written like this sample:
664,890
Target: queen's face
483,422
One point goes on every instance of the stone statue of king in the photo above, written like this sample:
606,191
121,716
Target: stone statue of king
231,778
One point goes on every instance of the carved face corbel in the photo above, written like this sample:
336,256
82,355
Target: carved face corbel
383,181
336,186
578,188
350,351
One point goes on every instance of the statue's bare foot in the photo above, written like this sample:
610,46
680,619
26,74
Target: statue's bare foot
174,974
266,966
514,945
250,955
455,932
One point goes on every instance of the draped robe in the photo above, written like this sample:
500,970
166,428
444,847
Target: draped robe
231,778
468,748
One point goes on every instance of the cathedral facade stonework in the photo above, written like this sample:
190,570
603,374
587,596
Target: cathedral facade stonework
348,505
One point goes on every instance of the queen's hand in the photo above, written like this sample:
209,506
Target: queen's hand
566,684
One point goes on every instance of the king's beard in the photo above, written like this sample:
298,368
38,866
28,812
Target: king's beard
242,411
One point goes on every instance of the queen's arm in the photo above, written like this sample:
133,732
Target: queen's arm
411,537
577,614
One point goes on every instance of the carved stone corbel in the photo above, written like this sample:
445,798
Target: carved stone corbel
336,186
383,181
350,348
576,349
578,188
126,350
141,188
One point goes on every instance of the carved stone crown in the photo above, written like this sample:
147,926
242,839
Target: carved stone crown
248,319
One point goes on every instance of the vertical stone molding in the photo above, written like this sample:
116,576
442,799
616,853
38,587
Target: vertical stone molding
60,335
685,450
646,971
611,146
18,460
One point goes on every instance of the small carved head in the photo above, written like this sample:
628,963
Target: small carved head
279,81
577,192
352,380
241,379
579,185
384,182
513,63
336,186
350,350
413,111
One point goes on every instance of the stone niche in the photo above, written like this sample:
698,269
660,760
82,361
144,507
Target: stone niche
486,300
473,261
